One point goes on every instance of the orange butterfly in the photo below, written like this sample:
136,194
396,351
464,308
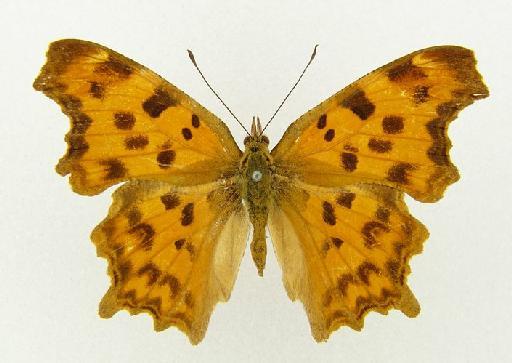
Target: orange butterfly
331,191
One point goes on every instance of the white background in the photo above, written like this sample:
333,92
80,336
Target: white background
50,279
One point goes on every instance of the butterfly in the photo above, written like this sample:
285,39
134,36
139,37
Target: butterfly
331,192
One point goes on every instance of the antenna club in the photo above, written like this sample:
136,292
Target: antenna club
312,55
191,56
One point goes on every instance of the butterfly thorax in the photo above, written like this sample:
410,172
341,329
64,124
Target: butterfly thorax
256,176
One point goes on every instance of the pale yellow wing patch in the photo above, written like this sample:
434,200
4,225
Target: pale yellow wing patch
389,127
127,122
345,252
172,252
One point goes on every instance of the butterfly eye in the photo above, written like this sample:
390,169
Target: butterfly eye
264,139
247,139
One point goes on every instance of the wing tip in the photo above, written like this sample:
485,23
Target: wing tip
463,61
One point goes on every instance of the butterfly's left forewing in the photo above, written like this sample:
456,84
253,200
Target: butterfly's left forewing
129,123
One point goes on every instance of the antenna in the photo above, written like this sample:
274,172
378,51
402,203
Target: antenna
191,56
289,93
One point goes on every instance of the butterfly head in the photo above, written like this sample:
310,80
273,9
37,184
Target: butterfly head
256,140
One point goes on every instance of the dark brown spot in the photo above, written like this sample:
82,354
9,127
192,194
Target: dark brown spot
420,94
388,294
179,243
405,71
108,227
152,271
190,248
81,122
399,247
124,270
392,124
398,173
134,216
114,66
447,110
77,146
154,305
173,283
350,148
327,298
349,161
265,139
189,300
394,271
124,120
165,158
364,270
359,104
195,121
328,213
382,214
115,276
371,230
322,121
337,241
380,146
158,103
136,142
96,90
170,200
71,103
114,168
438,152
130,296
363,305
187,214
345,199
187,133
343,283
326,246
329,135
145,233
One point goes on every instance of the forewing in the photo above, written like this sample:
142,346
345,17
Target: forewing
345,252
389,127
129,123
172,252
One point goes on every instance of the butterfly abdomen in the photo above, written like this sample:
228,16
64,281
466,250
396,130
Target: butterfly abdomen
255,169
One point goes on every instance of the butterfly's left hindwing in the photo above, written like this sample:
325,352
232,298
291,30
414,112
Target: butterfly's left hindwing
172,252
